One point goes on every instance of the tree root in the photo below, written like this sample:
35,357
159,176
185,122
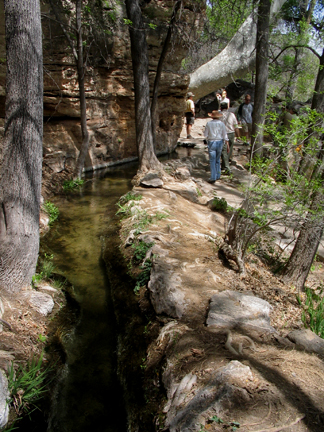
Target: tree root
233,255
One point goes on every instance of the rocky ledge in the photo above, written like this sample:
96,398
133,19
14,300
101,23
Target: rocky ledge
215,355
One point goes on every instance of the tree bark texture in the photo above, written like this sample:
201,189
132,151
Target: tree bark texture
83,104
301,259
318,96
236,59
262,72
158,74
144,136
21,168
299,264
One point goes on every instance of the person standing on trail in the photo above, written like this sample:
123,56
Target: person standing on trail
244,116
216,135
224,98
190,113
230,123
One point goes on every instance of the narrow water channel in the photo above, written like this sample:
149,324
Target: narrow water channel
89,397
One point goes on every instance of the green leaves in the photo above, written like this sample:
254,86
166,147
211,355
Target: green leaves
52,211
28,385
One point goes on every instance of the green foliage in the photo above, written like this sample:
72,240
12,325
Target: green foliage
225,17
52,212
152,26
144,275
219,204
45,269
69,185
313,313
216,419
128,21
278,193
130,196
27,386
140,250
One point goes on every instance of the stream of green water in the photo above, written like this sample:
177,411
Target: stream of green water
88,397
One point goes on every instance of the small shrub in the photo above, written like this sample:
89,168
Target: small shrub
27,386
46,269
144,276
125,210
130,196
140,250
313,313
219,204
69,185
52,211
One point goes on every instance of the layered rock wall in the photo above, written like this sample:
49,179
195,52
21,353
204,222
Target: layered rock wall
109,90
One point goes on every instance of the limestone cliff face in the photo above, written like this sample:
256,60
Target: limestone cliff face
109,89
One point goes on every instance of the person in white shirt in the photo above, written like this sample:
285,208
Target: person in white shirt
230,123
190,113
216,135
224,98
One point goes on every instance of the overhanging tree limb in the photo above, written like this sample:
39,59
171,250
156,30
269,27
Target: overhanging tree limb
233,62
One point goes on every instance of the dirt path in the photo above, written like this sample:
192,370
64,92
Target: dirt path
218,375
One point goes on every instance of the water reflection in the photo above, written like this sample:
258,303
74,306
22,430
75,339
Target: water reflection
89,396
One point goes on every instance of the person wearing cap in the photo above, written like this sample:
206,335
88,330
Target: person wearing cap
216,135
190,113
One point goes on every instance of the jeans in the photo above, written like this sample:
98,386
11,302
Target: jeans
215,151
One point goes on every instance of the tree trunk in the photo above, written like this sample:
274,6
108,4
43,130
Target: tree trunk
318,97
165,48
308,163
21,167
301,259
293,77
299,264
144,137
83,104
236,59
261,81
78,56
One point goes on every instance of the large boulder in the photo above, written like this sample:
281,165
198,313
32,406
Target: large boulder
234,310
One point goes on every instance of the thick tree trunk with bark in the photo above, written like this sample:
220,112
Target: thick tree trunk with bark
78,56
236,59
21,167
299,264
262,71
301,259
154,106
144,136
83,105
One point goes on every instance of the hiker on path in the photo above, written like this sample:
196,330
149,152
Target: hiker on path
190,113
230,123
216,135
224,98
244,116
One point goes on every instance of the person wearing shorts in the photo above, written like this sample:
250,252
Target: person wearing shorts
190,113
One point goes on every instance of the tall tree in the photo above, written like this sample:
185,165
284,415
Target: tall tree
154,106
21,167
143,119
77,50
262,71
301,259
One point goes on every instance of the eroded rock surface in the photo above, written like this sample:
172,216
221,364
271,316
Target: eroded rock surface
232,309
233,368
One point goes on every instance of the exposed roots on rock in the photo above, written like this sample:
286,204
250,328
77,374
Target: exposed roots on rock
233,255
